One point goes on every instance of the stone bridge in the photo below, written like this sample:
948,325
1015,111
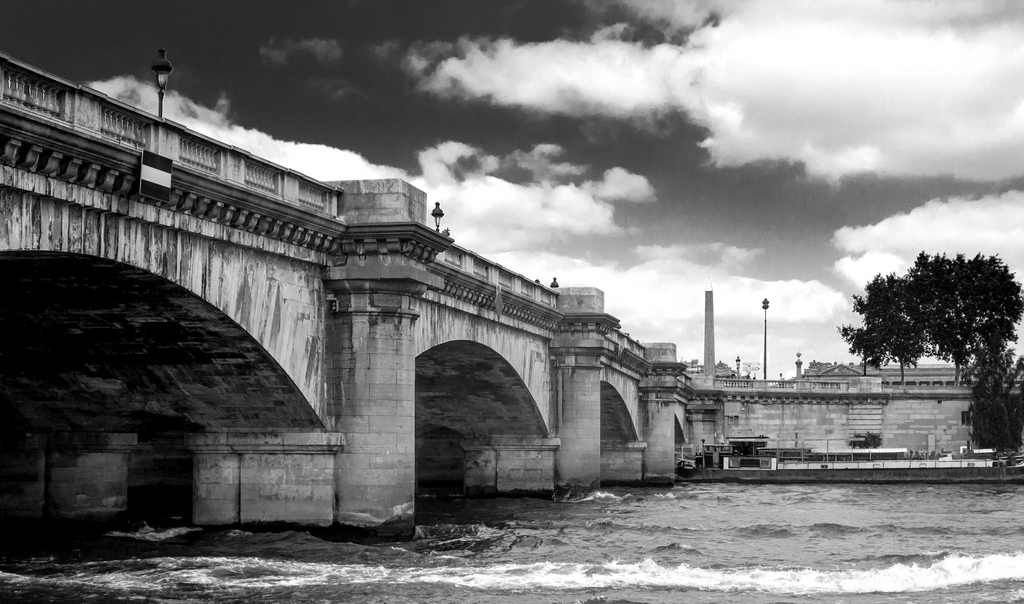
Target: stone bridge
258,346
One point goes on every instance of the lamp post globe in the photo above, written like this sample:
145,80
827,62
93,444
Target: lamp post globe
162,69
764,305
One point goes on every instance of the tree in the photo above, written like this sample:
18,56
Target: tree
997,408
861,345
892,330
966,306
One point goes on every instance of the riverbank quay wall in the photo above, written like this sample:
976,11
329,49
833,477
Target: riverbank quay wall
270,348
822,415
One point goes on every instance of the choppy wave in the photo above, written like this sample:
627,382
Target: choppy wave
148,533
603,496
764,530
138,575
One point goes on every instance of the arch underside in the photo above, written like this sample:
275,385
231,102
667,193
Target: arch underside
616,424
466,391
95,345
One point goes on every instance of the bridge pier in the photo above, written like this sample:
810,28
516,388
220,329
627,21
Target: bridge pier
660,399
660,432
578,462
510,466
264,477
622,462
371,355
67,476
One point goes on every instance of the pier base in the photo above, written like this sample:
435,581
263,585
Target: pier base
264,477
510,466
622,463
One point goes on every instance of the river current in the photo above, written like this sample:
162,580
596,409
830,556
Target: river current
691,543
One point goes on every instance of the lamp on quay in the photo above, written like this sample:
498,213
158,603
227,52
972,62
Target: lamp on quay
764,305
162,69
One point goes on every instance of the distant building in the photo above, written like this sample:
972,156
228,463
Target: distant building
925,374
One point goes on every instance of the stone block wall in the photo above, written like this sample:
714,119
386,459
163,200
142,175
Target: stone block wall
805,424
87,475
526,470
519,468
621,464
22,478
909,422
294,487
264,477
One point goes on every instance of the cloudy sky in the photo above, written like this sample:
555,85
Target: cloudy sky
780,149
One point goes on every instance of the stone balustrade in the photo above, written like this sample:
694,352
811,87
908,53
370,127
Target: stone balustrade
795,385
474,265
88,112
624,342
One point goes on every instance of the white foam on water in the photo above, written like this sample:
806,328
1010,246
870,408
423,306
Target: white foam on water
600,496
147,533
257,572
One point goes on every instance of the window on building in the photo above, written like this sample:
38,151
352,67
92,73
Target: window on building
733,420
965,418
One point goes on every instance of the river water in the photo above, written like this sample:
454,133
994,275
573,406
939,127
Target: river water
691,543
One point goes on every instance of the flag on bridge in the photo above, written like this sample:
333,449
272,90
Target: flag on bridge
155,177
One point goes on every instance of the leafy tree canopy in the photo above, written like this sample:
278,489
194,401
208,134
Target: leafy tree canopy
892,327
952,308
967,306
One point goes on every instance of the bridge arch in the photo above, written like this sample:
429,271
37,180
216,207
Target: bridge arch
616,422
95,345
467,394
621,451
528,353
275,300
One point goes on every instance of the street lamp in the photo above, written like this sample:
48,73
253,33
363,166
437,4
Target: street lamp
162,69
764,305
438,214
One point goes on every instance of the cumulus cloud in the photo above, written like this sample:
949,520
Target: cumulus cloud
280,52
491,214
877,86
991,225
859,270
619,184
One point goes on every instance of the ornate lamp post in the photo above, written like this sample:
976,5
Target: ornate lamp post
162,69
764,305
438,214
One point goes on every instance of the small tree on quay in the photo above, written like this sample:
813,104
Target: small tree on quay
997,407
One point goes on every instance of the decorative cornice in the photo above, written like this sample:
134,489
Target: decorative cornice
55,153
600,323
411,240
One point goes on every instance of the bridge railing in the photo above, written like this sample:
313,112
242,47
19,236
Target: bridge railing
472,264
92,113
624,342
797,385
